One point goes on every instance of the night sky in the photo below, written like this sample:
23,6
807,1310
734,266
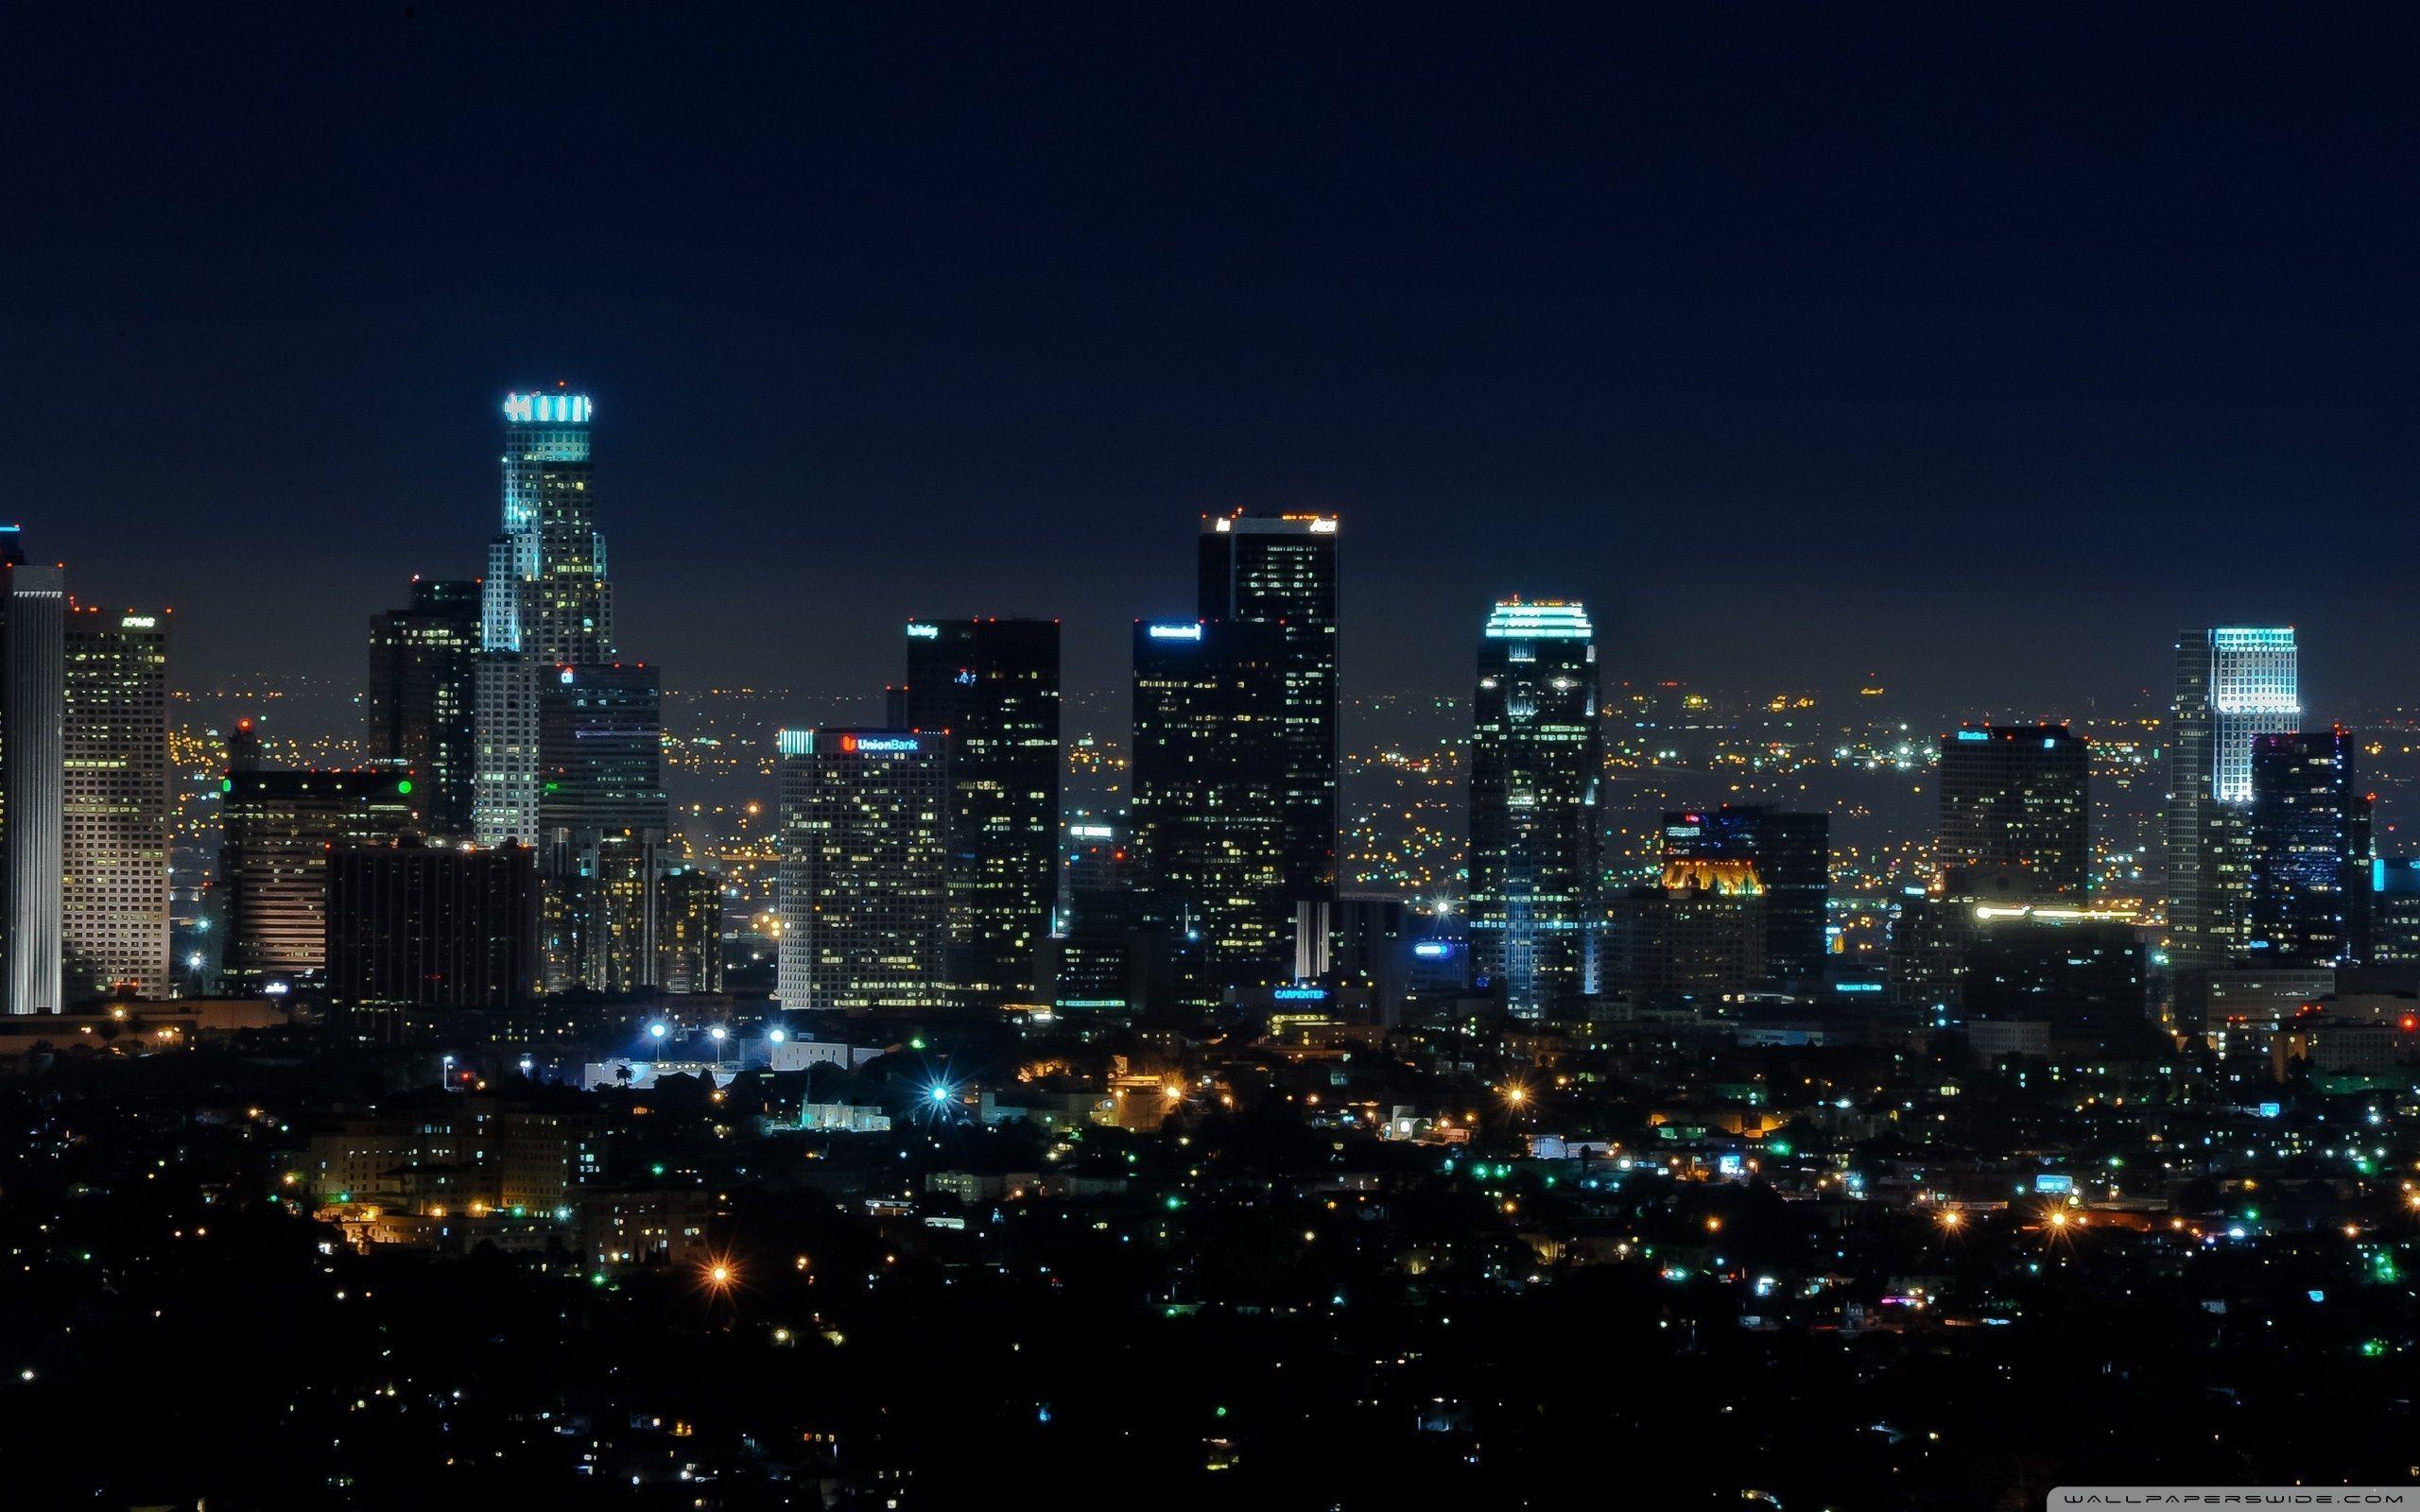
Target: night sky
1979,352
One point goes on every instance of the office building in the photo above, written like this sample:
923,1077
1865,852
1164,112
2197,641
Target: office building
546,603
423,690
1697,936
1537,758
33,758
116,803
864,888
1099,954
2308,825
688,929
1790,854
2083,974
1207,785
2018,796
2390,912
278,830
1280,570
603,824
415,930
2232,684
991,687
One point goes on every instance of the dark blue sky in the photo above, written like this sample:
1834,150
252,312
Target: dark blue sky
1977,350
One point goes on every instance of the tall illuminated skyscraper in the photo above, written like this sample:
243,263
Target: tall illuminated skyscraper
2233,683
117,806
2310,844
1280,570
2018,796
1537,758
864,879
603,824
423,661
545,603
1208,794
33,758
991,687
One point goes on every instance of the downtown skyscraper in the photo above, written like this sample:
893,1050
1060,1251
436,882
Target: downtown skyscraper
1792,854
570,737
1537,761
1208,792
863,891
2233,683
990,688
33,757
424,677
2019,796
1280,570
546,603
117,808
2309,847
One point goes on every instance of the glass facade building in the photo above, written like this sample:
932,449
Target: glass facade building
1792,856
2309,848
33,721
1280,570
1537,762
1208,789
864,879
2018,796
116,803
2233,683
991,687
546,603
423,662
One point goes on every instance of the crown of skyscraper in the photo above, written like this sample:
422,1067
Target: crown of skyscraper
1543,620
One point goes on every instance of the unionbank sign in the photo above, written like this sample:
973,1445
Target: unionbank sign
879,745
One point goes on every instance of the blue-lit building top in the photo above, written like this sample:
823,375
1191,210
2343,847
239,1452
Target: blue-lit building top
1543,620
1536,887
2255,690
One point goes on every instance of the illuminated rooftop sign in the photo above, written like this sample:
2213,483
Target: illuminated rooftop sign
879,743
924,633
1175,632
547,409
1551,620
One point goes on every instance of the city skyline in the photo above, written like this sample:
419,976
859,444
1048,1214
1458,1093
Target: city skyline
900,754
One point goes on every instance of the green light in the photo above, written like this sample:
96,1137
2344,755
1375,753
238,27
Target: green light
226,785
404,786
1175,1203
916,1044
2372,1349
1779,1146
657,1168
1223,1412
597,1279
